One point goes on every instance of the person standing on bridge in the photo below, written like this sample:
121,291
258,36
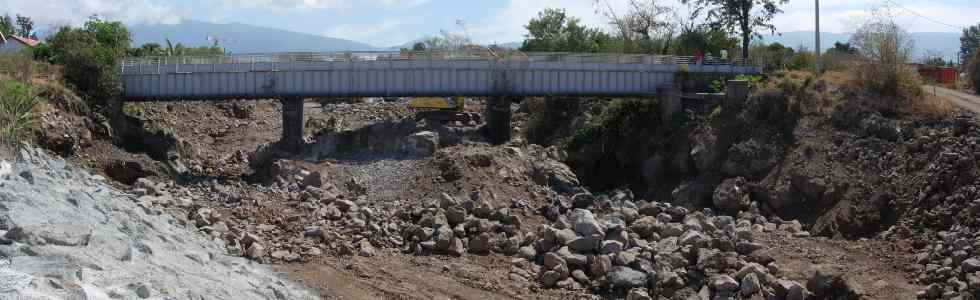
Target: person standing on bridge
698,57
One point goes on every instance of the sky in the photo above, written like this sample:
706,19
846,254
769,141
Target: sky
396,22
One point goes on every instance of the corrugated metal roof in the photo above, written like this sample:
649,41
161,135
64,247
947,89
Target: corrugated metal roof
25,41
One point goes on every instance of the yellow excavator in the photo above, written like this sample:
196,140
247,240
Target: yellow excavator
442,109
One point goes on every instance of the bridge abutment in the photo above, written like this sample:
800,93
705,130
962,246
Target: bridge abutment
498,120
292,124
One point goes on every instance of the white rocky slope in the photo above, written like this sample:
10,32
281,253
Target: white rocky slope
66,234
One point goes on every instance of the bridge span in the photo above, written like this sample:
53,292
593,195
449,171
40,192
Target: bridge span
294,76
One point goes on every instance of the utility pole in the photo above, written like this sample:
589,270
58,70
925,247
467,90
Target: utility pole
816,50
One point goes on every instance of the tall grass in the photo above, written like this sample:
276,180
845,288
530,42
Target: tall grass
16,114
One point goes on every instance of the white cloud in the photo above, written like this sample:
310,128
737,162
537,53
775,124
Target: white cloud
75,12
384,33
844,15
318,4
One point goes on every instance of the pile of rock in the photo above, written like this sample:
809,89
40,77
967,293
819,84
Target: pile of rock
67,234
653,249
453,226
951,265
310,217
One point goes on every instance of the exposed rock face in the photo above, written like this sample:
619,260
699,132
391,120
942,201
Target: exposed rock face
71,234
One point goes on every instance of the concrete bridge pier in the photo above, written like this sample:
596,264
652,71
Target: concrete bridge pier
498,129
671,103
292,124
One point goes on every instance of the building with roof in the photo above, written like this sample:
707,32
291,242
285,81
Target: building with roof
12,43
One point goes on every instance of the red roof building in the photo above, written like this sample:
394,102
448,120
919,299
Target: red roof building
15,43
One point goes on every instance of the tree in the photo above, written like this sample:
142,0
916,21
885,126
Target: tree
741,16
884,48
839,57
844,48
7,25
553,30
25,27
703,39
969,42
646,26
774,56
934,58
151,49
544,33
419,46
973,70
148,49
90,58
446,41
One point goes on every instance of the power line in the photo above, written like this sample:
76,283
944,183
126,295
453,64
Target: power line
923,16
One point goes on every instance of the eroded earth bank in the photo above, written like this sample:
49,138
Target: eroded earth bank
802,191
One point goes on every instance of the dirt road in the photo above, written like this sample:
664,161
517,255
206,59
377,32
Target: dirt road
966,101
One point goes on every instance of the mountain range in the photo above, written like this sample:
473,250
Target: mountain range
244,38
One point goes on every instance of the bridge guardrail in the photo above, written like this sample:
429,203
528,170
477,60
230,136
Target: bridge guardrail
290,57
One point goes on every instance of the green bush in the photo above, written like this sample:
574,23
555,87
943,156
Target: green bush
16,114
550,118
90,58
622,119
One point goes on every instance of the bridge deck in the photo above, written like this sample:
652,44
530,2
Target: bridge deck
384,74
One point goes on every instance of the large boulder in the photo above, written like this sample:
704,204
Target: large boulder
422,143
825,283
584,223
731,196
625,278
693,194
556,175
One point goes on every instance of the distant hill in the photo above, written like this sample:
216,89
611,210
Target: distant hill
946,44
409,45
242,38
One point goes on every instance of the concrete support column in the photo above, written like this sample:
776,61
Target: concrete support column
498,120
292,124
670,103
736,92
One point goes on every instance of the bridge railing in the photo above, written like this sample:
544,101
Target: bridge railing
291,57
